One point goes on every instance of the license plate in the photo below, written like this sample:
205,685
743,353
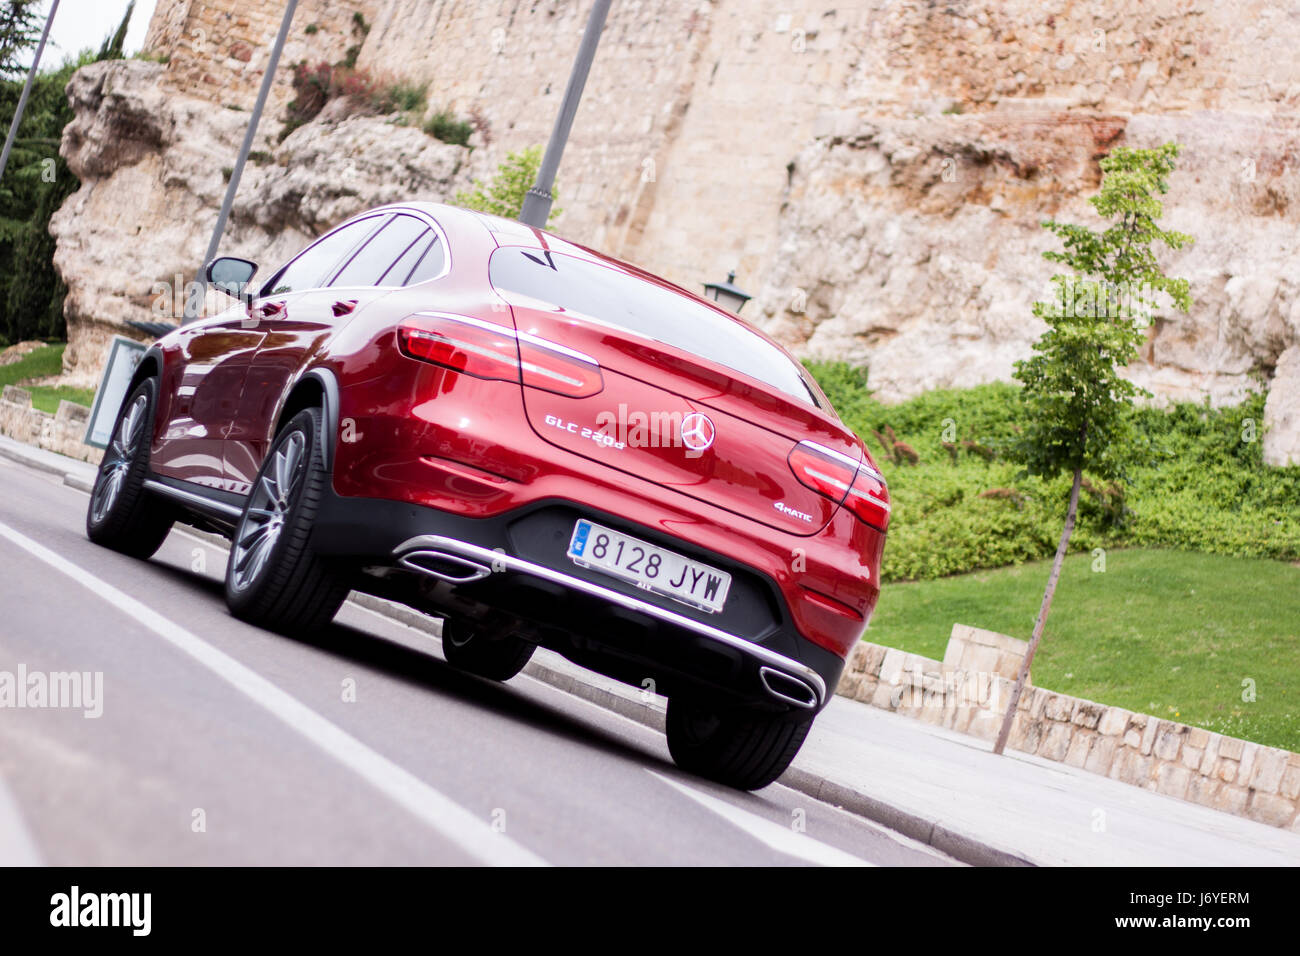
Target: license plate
648,567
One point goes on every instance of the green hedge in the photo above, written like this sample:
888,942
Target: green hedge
1196,482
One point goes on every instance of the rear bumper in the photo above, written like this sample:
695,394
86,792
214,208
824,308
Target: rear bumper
462,447
456,562
513,567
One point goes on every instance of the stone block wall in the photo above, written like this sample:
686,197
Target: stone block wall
61,432
971,649
217,49
968,691
875,171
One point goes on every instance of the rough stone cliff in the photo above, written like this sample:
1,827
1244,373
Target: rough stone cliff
876,171
151,165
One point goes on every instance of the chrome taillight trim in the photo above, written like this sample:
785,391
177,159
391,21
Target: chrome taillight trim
844,459
830,479
462,345
515,334
556,347
882,505
831,453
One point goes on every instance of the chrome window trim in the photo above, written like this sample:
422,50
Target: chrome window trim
261,294
382,211
399,211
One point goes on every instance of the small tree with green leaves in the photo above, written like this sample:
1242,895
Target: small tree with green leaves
504,196
1078,408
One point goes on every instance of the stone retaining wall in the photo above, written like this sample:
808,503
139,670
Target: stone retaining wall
218,49
61,432
968,691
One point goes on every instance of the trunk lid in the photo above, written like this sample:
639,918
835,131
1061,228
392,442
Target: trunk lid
682,421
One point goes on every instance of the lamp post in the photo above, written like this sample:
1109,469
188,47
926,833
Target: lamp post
537,201
27,89
193,302
726,294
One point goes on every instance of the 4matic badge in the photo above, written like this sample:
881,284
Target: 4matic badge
785,509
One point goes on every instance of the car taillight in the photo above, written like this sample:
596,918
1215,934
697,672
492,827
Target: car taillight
558,369
491,351
466,345
859,487
869,498
826,472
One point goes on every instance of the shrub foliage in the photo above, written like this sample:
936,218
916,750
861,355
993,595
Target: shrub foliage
1196,481
504,195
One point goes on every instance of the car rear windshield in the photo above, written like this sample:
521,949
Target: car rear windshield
610,295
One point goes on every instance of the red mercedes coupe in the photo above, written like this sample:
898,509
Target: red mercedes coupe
539,444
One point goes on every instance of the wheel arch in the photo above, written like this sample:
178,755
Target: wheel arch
316,388
151,365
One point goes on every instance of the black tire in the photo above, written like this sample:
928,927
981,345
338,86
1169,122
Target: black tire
740,747
273,578
471,648
121,514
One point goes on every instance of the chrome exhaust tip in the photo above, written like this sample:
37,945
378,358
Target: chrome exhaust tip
445,567
787,688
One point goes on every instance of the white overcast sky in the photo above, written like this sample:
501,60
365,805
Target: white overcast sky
85,23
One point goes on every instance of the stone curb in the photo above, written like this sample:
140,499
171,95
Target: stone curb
628,703
1190,764
81,484
16,454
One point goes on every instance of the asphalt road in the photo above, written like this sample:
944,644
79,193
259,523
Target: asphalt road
220,743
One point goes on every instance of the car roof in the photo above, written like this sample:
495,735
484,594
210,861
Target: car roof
512,232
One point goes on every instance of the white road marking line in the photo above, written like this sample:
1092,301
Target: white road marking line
392,621
637,725
17,846
451,821
879,829
773,835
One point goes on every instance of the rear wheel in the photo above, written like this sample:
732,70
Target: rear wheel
121,514
273,578
478,650
737,746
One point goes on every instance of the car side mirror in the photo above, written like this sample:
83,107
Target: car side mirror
231,275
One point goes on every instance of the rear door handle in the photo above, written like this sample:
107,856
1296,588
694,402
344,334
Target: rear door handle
343,308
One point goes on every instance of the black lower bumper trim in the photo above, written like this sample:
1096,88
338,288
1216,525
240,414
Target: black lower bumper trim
750,652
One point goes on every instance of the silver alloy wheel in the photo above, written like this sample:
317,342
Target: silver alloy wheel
268,509
118,458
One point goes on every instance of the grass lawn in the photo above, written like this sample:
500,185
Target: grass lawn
1171,633
37,363
41,363
47,397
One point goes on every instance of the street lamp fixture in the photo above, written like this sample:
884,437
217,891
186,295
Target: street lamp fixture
726,294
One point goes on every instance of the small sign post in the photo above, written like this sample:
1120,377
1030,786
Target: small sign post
122,361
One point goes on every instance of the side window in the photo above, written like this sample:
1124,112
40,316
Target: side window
312,266
430,264
406,261
373,260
